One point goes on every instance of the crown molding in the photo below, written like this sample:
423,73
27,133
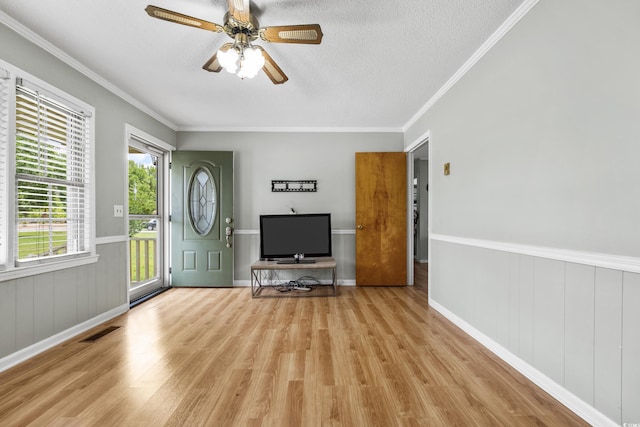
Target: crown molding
73,63
506,26
290,129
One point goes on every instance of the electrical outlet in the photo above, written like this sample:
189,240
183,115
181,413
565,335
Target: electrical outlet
118,211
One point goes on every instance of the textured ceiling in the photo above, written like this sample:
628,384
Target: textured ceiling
379,62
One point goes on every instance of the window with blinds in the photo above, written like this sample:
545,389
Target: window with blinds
51,176
4,144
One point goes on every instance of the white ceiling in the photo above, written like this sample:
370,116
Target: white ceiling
379,62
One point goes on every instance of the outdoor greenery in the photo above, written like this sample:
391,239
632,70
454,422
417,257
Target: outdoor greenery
142,201
31,242
40,204
142,194
44,160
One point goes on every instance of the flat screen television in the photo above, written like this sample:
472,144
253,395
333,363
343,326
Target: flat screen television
294,238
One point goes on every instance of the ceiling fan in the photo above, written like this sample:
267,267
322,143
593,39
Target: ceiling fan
241,57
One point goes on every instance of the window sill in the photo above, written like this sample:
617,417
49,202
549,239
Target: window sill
48,267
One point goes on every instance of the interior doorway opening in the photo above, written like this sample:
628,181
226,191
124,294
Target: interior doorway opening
418,218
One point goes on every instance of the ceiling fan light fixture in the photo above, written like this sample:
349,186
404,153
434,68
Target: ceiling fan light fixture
240,57
251,62
244,61
229,60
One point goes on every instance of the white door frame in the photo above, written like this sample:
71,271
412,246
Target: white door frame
156,145
410,150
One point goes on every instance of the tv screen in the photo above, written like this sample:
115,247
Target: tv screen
285,236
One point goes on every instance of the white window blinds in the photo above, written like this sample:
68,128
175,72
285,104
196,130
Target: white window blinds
52,176
4,146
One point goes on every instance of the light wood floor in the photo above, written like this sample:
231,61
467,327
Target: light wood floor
216,357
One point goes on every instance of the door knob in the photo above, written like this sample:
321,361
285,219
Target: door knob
228,233
360,226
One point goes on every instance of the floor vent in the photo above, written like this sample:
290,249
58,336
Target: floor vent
95,337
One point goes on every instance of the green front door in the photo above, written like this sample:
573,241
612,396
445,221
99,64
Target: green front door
202,218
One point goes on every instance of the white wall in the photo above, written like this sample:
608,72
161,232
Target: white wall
542,134
261,157
535,245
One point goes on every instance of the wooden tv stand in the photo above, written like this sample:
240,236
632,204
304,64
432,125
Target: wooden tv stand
261,289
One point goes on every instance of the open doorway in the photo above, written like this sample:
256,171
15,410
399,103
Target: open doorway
148,167
418,166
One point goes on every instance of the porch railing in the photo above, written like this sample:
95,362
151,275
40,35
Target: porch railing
143,260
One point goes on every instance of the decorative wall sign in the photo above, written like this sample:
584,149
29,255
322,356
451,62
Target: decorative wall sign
294,186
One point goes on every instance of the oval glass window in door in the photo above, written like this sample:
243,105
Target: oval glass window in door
202,201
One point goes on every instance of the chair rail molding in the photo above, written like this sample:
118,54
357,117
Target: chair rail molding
615,262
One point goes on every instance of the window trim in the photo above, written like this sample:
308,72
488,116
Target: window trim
13,269
5,80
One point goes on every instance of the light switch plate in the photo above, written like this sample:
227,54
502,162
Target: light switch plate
118,211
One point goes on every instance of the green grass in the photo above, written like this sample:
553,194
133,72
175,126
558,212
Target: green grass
36,243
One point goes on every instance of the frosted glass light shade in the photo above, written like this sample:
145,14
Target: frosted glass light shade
229,60
251,64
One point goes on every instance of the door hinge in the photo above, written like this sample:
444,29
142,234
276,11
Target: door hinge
170,165
169,270
169,218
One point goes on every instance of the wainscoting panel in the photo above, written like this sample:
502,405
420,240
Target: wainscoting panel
111,276
579,330
24,326
65,299
492,290
548,318
631,347
513,344
525,275
38,310
86,293
573,324
7,317
608,343
42,303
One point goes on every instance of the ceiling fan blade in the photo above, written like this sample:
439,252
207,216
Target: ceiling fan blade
271,69
307,34
178,18
213,64
239,9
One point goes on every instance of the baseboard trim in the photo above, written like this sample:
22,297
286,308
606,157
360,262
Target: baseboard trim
33,350
562,395
614,262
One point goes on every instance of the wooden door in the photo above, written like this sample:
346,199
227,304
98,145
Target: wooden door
381,219
201,214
